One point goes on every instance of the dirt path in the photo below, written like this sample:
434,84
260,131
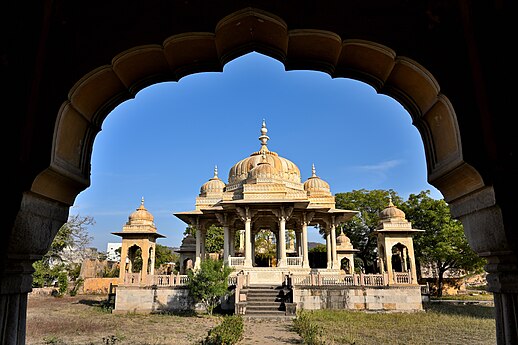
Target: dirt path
269,332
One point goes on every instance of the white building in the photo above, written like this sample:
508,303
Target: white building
111,251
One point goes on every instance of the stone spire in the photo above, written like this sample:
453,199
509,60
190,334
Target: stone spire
264,138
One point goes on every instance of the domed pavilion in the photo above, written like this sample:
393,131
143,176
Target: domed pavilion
265,192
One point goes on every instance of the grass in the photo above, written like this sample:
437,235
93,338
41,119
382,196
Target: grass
467,297
439,324
86,320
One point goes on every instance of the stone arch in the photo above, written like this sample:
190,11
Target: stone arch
92,98
44,207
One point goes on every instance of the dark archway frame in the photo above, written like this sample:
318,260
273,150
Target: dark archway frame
44,208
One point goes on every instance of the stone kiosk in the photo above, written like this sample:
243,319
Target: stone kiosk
265,193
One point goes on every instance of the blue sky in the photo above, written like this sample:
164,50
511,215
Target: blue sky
163,145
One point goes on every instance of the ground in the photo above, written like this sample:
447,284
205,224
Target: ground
83,320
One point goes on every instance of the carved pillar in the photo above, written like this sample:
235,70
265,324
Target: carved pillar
334,257
197,260
224,221
37,222
306,218
329,249
232,240
145,260
152,256
246,216
282,242
248,242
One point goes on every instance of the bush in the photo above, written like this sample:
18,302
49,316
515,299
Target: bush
228,332
311,334
209,284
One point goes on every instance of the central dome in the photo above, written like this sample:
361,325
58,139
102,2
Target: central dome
285,169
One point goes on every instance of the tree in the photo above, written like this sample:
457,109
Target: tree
53,266
163,255
73,235
213,238
360,228
209,283
443,246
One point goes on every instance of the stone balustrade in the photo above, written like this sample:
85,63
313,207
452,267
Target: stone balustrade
361,279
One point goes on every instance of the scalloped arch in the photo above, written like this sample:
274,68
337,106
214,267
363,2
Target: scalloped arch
100,91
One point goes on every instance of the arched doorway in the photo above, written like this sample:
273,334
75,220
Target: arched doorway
44,196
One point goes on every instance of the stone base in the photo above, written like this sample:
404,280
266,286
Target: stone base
387,298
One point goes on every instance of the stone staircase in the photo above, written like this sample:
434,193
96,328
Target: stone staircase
267,301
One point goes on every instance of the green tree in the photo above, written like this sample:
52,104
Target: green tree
265,246
359,229
213,238
53,266
209,283
443,246
163,255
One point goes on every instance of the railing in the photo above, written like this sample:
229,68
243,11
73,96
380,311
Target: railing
236,261
373,279
402,278
232,280
294,261
349,279
132,279
166,280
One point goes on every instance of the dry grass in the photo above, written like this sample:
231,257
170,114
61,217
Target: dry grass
444,324
82,320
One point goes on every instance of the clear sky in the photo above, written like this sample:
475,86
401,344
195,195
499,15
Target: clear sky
163,145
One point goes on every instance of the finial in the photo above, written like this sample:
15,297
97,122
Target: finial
390,201
264,138
263,158
142,201
313,170
215,171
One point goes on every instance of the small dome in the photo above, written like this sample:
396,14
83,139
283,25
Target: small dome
214,185
343,241
141,214
316,186
391,211
264,170
286,169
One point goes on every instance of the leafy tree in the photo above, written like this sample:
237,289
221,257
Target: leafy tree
163,255
360,228
73,234
265,246
443,246
213,239
209,283
319,248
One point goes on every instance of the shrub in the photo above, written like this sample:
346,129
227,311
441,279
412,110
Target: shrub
311,334
208,284
228,332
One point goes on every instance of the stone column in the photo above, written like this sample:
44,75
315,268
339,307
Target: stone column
197,261
335,264
305,250
242,241
329,249
282,241
232,240
226,243
145,258
203,253
152,256
248,240
298,240
122,264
